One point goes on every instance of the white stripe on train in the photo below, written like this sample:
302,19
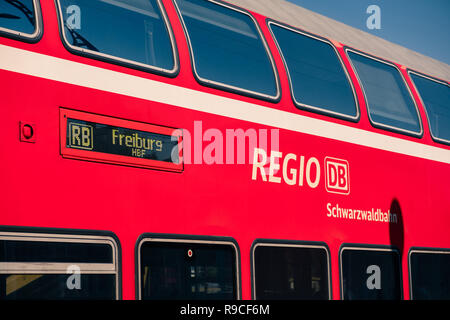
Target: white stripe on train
52,68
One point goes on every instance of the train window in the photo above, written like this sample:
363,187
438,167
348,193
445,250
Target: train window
435,97
134,33
227,48
54,266
389,101
370,274
20,19
187,269
317,76
429,272
290,271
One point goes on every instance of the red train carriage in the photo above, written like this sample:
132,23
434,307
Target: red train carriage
192,149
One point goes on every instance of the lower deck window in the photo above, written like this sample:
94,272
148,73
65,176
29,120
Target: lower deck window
429,274
55,266
187,269
289,271
370,274
57,286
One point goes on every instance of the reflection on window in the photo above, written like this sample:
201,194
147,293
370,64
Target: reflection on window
55,287
227,48
430,274
390,104
38,267
436,99
132,31
370,274
18,15
175,270
318,79
291,272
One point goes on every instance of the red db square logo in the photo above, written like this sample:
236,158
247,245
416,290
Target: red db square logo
337,175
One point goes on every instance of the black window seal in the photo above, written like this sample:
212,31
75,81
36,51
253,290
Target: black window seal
417,73
181,238
34,37
375,124
121,61
280,243
71,235
224,86
303,106
426,250
369,247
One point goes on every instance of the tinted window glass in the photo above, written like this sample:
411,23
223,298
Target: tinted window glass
290,273
43,267
317,77
370,274
133,30
389,101
436,99
430,275
37,251
18,15
54,287
187,271
227,47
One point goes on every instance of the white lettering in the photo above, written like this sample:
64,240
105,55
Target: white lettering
259,164
274,166
308,172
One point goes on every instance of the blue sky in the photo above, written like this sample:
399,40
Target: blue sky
420,25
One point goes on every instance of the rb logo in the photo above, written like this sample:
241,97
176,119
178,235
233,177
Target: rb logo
337,175
80,136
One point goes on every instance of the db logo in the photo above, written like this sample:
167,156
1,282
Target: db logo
337,175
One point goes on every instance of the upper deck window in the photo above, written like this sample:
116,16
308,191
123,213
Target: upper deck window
227,48
132,32
388,99
435,97
317,77
20,18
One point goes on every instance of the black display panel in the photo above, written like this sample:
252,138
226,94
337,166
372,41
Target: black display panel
98,137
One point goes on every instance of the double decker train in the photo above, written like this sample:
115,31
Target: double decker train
203,149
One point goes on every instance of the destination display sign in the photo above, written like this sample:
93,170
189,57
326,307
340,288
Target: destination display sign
114,140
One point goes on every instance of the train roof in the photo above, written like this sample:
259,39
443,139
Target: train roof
320,25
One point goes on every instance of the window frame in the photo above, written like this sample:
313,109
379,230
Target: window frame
34,37
419,74
288,244
368,247
185,239
104,57
304,106
224,86
375,124
421,250
64,236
